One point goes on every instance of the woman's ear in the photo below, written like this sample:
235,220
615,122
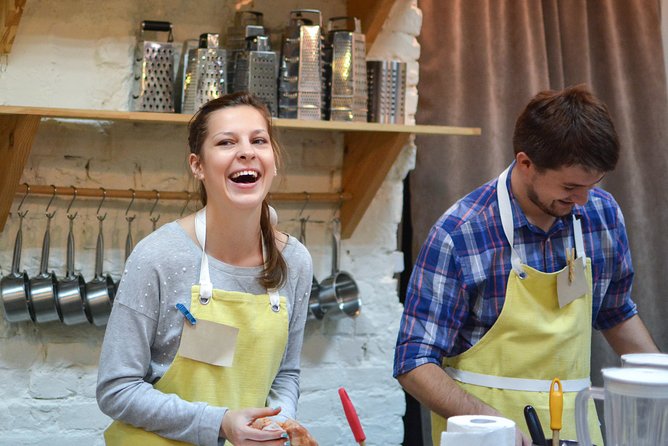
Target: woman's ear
195,166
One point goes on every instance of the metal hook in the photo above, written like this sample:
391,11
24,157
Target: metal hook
185,205
18,211
154,219
97,214
338,208
301,211
46,212
69,206
130,218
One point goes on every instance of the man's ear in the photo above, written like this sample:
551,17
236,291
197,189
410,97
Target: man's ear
523,162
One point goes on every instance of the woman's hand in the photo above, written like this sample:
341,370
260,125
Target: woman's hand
236,428
297,434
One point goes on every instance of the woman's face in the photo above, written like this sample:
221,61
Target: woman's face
237,163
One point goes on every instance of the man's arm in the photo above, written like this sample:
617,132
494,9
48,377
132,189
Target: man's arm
630,336
432,387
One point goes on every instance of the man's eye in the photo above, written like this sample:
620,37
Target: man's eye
569,188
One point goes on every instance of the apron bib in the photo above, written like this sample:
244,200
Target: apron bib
262,323
532,341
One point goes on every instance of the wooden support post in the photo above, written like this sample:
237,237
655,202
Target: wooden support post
16,136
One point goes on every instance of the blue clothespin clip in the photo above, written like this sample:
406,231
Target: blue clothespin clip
189,317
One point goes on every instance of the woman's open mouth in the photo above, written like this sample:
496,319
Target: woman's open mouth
245,176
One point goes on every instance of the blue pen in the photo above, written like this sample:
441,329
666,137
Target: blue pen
189,317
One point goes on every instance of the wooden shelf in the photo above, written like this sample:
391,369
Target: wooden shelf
370,149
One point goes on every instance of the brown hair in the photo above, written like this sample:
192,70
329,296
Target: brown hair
274,273
566,128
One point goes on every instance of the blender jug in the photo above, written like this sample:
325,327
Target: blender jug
635,407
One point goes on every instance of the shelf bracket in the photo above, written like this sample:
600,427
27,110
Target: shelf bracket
17,133
10,16
367,159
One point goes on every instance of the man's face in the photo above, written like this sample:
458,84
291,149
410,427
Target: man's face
556,191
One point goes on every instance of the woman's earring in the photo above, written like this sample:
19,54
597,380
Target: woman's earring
275,171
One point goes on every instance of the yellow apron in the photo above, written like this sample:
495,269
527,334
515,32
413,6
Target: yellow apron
532,342
263,332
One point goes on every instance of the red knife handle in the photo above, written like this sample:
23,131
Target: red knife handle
351,415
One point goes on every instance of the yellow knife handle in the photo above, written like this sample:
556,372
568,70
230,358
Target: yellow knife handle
556,404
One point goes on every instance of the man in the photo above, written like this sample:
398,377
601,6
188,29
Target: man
511,278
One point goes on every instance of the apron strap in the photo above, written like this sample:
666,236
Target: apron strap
506,211
521,384
205,285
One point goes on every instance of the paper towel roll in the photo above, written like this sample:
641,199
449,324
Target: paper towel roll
479,430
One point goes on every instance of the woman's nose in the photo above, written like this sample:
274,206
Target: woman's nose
246,151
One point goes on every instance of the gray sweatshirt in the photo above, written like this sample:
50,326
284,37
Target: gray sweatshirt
144,331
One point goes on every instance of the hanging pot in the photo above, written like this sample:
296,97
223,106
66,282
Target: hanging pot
71,288
339,295
43,287
15,287
100,290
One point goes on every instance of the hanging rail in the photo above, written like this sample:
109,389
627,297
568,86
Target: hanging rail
313,197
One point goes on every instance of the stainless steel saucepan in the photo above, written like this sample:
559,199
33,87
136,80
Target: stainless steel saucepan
72,287
339,295
15,287
43,286
101,289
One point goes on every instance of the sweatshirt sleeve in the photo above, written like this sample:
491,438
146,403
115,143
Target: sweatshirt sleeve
125,360
285,388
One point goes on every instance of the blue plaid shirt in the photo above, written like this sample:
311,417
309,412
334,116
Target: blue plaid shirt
458,285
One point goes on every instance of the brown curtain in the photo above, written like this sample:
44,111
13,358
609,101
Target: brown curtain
481,62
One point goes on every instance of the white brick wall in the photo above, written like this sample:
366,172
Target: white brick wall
78,54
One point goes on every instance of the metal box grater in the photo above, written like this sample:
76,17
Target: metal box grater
345,70
387,91
246,24
256,71
153,86
300,83
205,77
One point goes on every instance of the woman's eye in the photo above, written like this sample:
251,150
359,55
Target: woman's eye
225,142
259,141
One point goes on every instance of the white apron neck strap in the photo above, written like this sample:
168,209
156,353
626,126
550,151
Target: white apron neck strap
205,286
506,211
579,241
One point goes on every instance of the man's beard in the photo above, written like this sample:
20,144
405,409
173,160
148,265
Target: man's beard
548,209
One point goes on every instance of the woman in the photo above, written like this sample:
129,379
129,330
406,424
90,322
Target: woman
199,346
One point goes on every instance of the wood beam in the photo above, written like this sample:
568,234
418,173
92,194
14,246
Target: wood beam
17,133
372,14
11,16
367,159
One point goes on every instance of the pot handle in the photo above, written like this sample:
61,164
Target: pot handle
70,251
46,243
581,413
99,249
336,245
16,258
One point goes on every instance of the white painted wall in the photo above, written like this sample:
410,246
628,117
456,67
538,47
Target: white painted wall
77,53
